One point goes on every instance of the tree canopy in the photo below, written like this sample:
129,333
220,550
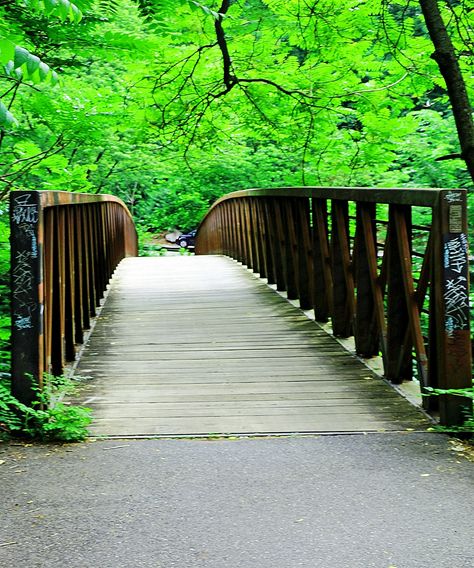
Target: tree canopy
170,103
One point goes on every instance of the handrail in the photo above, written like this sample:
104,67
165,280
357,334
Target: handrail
355,256
64,249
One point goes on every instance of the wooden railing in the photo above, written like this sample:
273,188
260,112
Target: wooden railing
388,266
64,249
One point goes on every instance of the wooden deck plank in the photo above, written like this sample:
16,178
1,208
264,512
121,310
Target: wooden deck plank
197,345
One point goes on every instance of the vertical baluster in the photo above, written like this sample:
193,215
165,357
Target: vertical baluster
88,309
343,291
250,263
221,229
304,251
48,282
291,241
57,300
242,234
225,228
234,247
91,260
260,233
256,238
69,283
269,239
368,330
78,278
237,241
322,279
281,246
397,312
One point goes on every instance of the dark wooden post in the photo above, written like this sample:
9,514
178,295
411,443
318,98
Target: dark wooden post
343,292
291,248
368,330
276,242
450,287
268,240
259,237
281,248
227,228
304,255
397,310
27,294
240,204
252,233
322,284
236,236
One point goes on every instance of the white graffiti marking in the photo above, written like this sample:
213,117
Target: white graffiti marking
455,253
456,304
29,230
453,197
23,283
22,277
23,322
24,211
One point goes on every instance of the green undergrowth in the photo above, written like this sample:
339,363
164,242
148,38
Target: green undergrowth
49,419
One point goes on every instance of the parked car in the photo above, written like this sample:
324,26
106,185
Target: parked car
187,240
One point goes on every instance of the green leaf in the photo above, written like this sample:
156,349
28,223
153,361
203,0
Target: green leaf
6,117
62,9
26,65
20,57
7,51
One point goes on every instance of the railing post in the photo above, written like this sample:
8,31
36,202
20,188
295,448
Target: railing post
288,246
369,317
322,275
301,222
262,242
27,298
343,281
236,240
273,239
450,287
397,311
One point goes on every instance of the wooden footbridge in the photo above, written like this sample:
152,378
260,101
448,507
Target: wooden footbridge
199,345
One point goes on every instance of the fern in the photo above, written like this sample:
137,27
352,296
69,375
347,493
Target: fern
108,6
63,9
48,419
155,10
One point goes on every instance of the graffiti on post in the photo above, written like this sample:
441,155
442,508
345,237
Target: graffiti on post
453,197
28,229
25,220
23,288
456,293
24,211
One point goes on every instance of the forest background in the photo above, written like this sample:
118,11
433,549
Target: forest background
171,103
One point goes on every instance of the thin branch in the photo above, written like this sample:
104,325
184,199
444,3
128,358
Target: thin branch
229,80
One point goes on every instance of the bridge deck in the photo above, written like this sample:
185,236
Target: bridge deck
197,345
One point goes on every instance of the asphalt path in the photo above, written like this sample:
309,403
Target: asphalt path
352,501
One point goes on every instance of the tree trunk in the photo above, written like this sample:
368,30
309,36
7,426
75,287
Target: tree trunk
446,58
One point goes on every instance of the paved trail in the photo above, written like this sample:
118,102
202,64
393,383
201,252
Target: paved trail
359,501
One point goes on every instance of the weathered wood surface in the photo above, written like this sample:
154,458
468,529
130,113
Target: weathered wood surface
197,345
